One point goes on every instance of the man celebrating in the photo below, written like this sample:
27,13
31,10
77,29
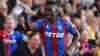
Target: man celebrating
10,37
31,48
54,31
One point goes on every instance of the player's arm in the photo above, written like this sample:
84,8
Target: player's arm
72,29
76,35
75,39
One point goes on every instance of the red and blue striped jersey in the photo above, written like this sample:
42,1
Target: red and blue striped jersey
13,41
54,36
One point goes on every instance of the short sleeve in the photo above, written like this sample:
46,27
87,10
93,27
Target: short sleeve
38,23
71,28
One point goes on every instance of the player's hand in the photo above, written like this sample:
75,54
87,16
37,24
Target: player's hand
67,52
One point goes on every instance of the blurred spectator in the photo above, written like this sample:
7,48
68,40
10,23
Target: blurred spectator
38,2
68,8
20,7
11,4
87,2
81,14
81,52
79,7
22,26
94,52
74,5
77,22
84,41
96,5
30,48
3,0
10,37
97,47
3,14
2,47
89,13
64,14
40,13
27,2
84,26
61,3
94,31
98,20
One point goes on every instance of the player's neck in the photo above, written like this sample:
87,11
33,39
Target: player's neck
53,20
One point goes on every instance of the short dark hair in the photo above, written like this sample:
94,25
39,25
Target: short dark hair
51,3
32,33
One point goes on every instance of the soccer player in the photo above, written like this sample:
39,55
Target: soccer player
10,37
54,31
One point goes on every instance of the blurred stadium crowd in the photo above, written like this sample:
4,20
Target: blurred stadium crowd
82,14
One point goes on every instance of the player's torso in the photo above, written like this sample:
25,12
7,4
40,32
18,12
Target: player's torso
54,37
54,30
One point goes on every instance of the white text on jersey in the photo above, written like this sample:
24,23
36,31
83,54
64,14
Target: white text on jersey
57,35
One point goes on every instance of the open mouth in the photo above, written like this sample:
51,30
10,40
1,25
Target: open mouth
9,27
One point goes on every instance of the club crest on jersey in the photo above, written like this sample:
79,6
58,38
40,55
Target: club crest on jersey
60,27
57,35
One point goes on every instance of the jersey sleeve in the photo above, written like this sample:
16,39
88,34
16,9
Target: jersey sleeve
38,23
71,28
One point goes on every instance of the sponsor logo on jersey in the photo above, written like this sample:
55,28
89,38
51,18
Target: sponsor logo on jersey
57,35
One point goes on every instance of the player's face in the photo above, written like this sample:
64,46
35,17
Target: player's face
50,11
34,41
9,25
